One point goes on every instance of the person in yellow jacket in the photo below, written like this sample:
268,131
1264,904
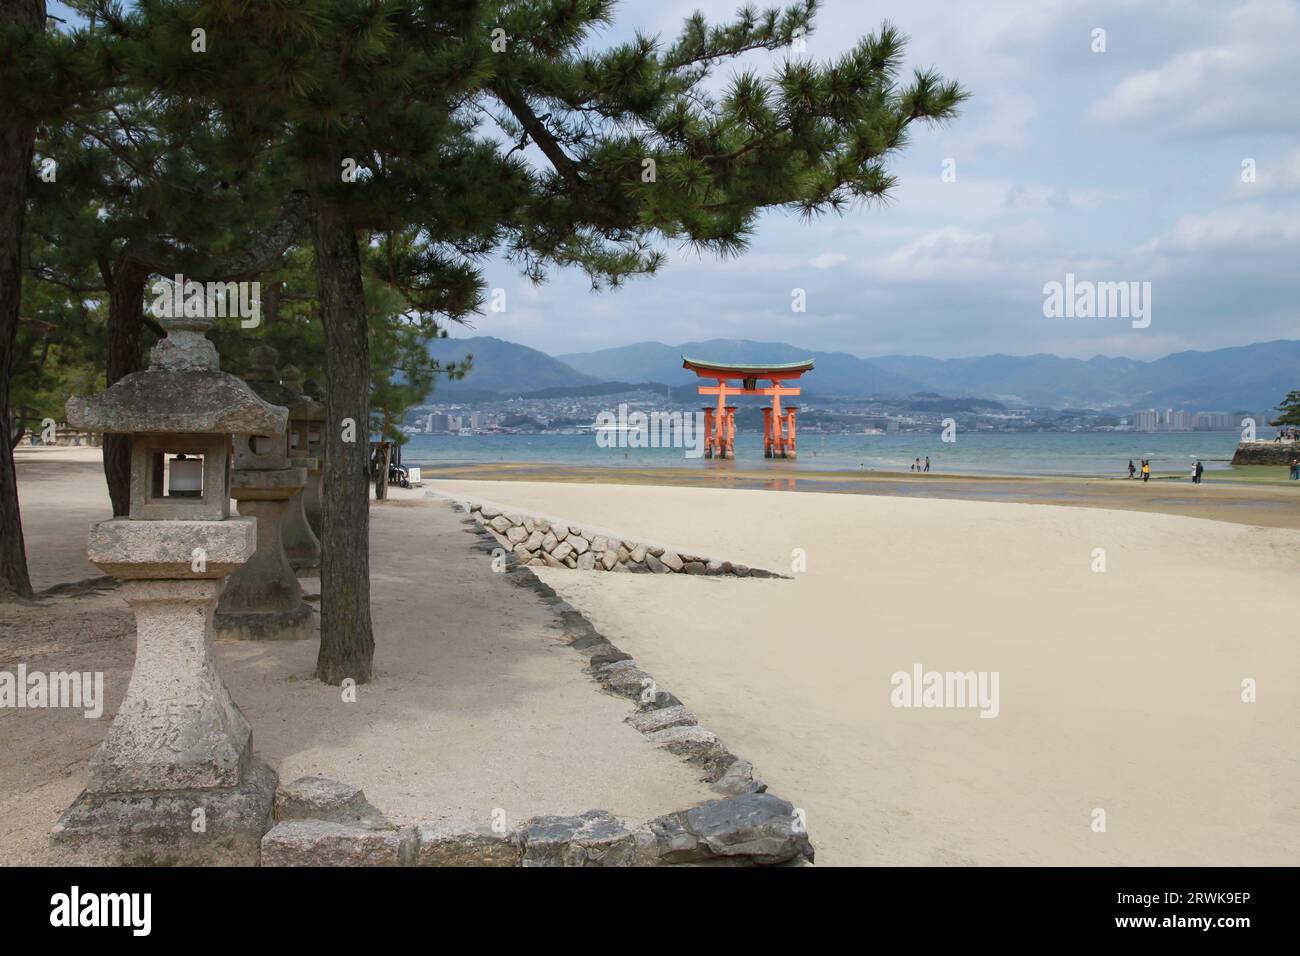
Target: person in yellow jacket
1146,470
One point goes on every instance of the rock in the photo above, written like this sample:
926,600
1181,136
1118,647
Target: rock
562,550
657,552
514,519
599,543
596,838
649,721
322,843
697,745
551,560
580,544
516,534
320,798
655,565
757,827
713,567
613,544
618,567
542,525
549,541
536,563
571,562
609,560
587,562
609,655
740,570
627,681
488,511
560,531
624,554
635,568
638,553
461,843
522,553
726,567
500,524
528,524
695,567
738,779
673,562
535,540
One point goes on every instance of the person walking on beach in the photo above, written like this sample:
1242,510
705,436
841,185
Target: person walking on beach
927,462
1146,470
1198,471
1295,469
1132,469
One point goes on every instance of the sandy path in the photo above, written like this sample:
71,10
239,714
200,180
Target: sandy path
475,706
1118,690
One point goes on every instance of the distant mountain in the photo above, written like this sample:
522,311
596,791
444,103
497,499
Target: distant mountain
836,373
1246,378
502,367
1249,377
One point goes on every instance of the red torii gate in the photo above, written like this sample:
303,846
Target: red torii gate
720,422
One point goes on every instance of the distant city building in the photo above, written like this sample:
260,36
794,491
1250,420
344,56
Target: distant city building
1214,422
1147,421
1178,421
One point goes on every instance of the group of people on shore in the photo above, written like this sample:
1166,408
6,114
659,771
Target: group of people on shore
916,465
1197,470
1287,434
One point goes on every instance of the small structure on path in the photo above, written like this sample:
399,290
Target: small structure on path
720,421
175,780
263,599
306,430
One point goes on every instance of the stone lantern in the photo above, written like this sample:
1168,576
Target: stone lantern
306,429
175,780
263,599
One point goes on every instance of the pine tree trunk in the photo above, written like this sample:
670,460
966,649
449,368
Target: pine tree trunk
125,322
17,140
347,643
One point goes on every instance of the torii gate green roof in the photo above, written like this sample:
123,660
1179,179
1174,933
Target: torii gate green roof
745,369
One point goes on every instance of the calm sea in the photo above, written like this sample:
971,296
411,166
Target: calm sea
975,453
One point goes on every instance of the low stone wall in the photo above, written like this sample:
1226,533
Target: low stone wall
1266,452
543,542
327,823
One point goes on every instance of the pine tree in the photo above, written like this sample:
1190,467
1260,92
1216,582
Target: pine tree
1290,409
489,126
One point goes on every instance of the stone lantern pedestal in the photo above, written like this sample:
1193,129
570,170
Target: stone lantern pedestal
175,781
263,599
306,429
301,545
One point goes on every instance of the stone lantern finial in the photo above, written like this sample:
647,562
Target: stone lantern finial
186,346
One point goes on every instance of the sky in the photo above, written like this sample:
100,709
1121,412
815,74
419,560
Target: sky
1117,166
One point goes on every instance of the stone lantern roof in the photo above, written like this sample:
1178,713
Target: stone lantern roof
182,391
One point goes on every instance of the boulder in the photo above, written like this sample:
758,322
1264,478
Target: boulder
500,524
587,562
562,550
638,553
320,798
655,565
462,843
673,562
596,838
549,541
579,543
755,827
322,843
649,721
516,534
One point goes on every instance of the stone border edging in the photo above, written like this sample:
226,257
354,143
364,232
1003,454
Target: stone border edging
540,541
324,823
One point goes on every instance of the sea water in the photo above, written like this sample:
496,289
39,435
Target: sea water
1103,454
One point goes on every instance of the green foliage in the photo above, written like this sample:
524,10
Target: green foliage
1290,409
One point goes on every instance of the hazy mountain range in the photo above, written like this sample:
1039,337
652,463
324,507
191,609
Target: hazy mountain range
1250,377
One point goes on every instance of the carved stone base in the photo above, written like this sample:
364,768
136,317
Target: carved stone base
293,625
219,827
